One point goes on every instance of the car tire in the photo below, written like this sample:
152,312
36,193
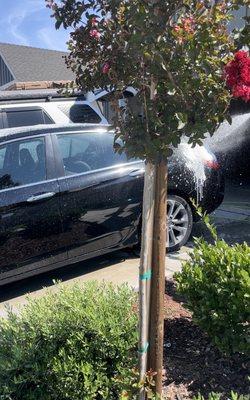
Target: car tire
179,222
186,212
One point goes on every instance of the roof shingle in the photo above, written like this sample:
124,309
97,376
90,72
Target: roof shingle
34,64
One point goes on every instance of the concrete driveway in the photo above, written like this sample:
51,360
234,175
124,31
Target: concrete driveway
232,219
119,267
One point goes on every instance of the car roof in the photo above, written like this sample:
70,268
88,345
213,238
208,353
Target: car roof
33,96
19,132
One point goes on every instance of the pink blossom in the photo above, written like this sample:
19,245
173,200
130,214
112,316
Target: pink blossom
188,24
177,28
242,91
94,21
241,55
94,33
245,72
237,74
106,68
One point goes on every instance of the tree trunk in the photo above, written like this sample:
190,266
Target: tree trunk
156,331
145,267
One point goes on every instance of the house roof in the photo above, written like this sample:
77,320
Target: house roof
34,64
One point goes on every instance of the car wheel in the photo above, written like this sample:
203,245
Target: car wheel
179,222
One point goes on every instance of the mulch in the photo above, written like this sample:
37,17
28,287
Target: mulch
192,363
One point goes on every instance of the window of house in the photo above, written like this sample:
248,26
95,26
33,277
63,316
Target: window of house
22,162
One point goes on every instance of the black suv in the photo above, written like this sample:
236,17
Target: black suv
65,195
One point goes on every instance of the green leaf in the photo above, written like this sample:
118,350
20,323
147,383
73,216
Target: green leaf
182,120
58,23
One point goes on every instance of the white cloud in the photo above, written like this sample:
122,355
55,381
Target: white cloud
21,12
28,22
14,21
53,39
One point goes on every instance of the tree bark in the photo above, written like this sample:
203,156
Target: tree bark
156,330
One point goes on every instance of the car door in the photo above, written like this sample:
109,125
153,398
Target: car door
30,220
101,192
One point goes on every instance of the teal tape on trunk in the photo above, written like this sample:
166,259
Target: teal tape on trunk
144,349
146,276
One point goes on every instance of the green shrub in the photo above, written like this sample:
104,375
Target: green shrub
218,396
216,284
75,344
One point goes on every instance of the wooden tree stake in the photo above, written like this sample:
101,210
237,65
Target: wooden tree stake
145,267
156,332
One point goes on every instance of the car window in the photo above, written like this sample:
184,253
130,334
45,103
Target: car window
1,120
80,113
22,162
2,156
82,152
25,117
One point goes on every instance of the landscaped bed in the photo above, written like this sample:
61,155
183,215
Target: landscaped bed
80,345
192,363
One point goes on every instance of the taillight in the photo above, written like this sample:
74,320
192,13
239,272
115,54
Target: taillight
208,158
212,164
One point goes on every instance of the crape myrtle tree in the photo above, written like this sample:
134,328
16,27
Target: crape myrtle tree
173,52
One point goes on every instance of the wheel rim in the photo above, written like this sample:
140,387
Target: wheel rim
177,222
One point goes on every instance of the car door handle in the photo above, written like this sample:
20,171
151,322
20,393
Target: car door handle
42,196
137,172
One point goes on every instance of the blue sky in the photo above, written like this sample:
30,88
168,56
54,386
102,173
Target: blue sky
28,22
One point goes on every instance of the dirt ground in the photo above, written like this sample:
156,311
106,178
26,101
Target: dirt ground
192,364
